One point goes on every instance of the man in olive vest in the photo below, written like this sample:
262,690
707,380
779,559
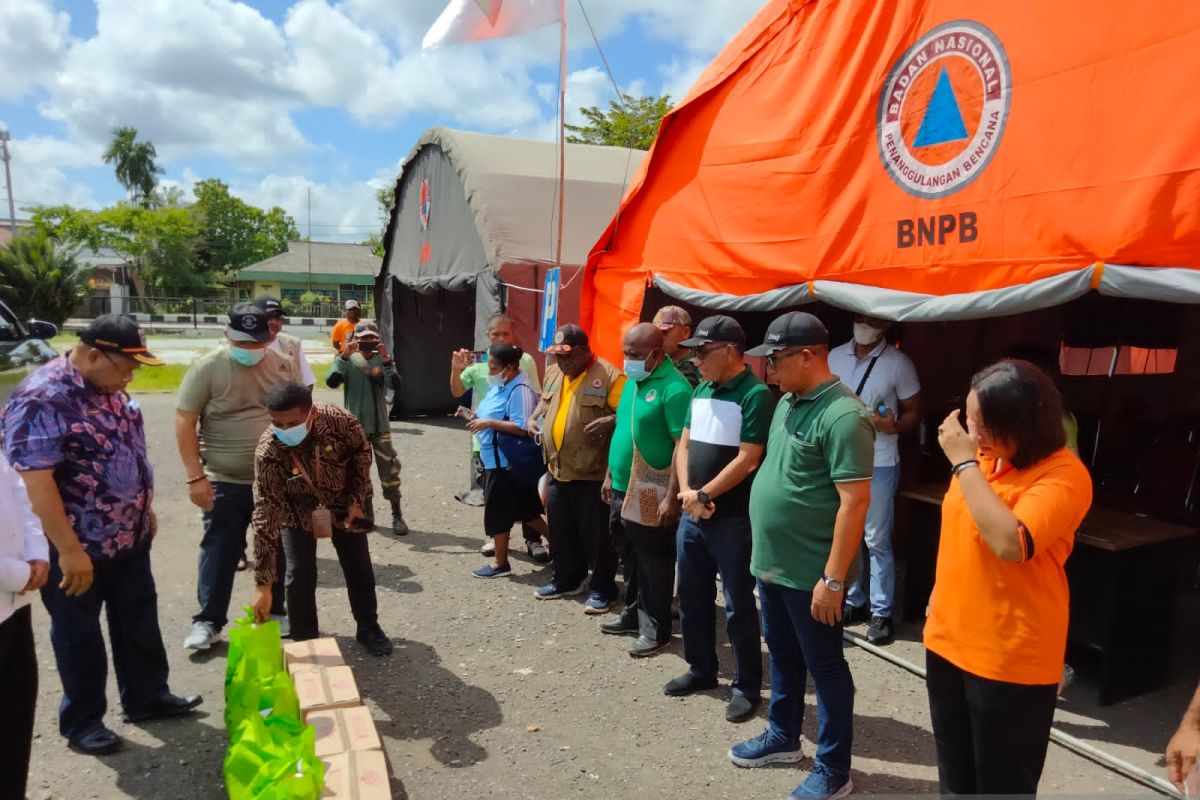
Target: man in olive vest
579,403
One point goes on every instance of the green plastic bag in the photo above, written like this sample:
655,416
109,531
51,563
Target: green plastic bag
250,643
254,696
273,759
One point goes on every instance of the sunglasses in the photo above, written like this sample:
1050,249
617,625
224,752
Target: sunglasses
704,352
775,358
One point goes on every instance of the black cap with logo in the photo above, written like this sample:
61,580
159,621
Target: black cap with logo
271,305
248,323
793,329
567,339
114,333
718,328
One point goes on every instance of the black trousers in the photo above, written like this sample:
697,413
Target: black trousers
18,697
355,557
991,736
648,567
579,536
623,547
123,587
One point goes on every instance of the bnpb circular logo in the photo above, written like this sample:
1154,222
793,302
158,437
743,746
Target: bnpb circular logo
943,109
426,195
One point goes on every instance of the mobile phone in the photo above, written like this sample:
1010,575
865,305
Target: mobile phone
479,356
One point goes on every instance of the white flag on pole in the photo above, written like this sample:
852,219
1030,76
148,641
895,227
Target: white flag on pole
478,20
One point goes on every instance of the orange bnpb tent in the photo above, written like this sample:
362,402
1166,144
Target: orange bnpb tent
921,160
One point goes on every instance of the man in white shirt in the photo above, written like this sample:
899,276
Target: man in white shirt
24,567
886,382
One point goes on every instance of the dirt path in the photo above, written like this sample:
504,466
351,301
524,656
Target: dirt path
489,694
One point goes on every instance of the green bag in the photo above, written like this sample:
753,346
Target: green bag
250,643
273,759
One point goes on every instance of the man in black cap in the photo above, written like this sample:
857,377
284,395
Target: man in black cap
287,346
79,442
579,402
224,393
807,510
721,446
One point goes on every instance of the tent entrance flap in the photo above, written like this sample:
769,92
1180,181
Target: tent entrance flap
427,327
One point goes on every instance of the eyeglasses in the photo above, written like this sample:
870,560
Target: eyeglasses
775,358
125,365
701,353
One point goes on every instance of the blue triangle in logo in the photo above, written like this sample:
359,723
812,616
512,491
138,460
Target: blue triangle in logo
943,121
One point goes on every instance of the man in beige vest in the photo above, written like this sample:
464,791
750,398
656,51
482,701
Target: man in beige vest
579,403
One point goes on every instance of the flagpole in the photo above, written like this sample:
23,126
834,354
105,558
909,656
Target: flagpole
562,129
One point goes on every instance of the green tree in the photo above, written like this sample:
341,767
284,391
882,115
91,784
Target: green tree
41,279
386,198
134,164
634,124
235,234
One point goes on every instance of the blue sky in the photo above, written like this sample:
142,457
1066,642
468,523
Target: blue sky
277,96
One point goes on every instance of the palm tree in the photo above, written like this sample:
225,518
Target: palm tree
40,279
134,164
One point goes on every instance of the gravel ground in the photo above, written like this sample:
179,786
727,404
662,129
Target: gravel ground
489,693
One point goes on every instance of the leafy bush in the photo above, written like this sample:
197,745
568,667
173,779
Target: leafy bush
39,279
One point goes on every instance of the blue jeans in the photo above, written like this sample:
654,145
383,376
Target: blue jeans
879,563
800,645
124,586
704,549
223,544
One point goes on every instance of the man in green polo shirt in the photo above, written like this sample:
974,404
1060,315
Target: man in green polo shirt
650,415
807,509
467,376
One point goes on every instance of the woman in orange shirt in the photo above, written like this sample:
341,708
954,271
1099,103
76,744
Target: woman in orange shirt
997,629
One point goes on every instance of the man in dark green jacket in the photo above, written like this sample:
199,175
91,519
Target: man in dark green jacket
365,369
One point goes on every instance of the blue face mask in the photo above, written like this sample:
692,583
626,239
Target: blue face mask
247,358
636,370
293,436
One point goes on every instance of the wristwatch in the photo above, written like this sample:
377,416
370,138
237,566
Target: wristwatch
833,584
703,497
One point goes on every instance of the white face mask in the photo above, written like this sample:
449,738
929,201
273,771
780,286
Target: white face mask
865,334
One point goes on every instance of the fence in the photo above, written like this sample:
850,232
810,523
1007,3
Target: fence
195,311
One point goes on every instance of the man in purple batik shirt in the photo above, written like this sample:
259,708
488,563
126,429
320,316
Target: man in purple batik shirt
77,439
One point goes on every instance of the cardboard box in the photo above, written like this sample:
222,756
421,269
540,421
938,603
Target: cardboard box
342,730
311,654
357,775
325,687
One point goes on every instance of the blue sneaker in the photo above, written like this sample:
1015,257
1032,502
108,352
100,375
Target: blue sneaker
822,785
493,572
552,592
767,748
597,604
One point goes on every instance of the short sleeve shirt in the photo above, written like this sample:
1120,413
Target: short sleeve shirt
650,417
817,441
893,378
96,445
1004,620
475,380
513,401
231,401
721,418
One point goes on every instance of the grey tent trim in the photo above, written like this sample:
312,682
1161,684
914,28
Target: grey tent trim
1168,284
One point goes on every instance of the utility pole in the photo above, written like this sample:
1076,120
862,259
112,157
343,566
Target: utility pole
5,138
309,247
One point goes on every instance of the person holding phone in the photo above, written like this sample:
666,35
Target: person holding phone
997,627
885,380
313,467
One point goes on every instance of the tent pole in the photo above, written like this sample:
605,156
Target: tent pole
562,128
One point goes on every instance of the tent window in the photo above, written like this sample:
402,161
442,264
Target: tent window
1122,360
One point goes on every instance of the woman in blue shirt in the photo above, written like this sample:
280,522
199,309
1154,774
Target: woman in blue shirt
505,409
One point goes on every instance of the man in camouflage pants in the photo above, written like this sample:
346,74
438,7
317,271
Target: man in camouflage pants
365,369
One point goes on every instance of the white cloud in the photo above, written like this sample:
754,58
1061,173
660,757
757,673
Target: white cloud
679,77
39,165
32,41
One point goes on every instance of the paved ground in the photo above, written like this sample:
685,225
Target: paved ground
491,694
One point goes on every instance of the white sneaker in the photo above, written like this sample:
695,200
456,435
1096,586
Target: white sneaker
201,637
488,549
285,627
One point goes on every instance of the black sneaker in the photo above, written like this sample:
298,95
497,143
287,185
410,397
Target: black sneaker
740,709
374,640
686,684
855,615
880,631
